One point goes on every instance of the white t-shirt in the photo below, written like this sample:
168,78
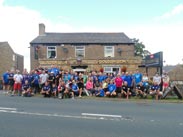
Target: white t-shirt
43,78
18,78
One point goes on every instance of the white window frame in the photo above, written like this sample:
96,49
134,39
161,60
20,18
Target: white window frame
110,69
79,50
51,50
13,57
112,50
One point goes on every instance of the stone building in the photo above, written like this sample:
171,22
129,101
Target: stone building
109,52
9,59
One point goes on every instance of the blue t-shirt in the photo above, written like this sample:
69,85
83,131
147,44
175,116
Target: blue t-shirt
54,89
36,79
5,77
137,77
123,77
102,93
111,88
46,88
128,79
75,87
155,87
11,75
100,78
26,86
54,70
25,77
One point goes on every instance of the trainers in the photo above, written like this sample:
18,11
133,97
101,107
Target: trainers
80,96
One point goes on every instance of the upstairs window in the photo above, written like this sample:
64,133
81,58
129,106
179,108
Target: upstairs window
51,52
108,51
80,51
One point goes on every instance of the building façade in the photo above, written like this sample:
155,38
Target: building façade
107,52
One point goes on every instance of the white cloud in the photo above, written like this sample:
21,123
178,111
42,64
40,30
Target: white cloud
175,11
19,26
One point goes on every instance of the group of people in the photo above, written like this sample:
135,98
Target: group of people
58,83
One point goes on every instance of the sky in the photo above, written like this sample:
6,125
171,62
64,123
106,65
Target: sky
158,24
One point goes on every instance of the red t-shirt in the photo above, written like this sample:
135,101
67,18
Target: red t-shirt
118,81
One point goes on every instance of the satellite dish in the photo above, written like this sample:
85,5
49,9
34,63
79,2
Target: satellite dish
119,50
65,50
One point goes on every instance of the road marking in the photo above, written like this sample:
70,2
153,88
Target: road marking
61,116
3,108
89,116
101,115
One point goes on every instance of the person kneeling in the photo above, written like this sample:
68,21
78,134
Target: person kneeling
140,90
46,90
111,89
125,92
26,89
155,91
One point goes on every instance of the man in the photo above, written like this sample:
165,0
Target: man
46,90
140,90
43,78
5,80
26,89
125,90
155,90
11,81
18,83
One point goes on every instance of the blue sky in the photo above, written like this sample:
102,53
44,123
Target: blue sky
157,23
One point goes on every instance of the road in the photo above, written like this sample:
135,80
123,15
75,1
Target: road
48,117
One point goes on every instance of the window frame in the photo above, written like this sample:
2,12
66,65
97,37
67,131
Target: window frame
52,50
112,50
80,50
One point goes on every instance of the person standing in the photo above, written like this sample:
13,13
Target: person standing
18,83
5,80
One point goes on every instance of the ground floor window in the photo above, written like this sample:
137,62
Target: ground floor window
112,69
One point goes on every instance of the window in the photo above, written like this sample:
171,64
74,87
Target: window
112,69
51,52
13,57
80,51
108,51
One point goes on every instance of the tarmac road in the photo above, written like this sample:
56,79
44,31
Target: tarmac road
48,117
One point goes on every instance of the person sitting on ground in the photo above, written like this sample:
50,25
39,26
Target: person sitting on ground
75,89
155,90
125,90
46,90
140,90
100,92
111,89
54,90
89,86
26,89
61,89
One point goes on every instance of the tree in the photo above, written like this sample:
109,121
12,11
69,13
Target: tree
140,48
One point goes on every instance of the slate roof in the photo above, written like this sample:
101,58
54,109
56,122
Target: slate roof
82,38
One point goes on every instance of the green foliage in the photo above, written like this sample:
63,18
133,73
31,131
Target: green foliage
140,48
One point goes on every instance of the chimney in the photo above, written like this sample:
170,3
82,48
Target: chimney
41,29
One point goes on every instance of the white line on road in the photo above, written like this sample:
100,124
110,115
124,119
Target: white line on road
57,115
3,108
101,115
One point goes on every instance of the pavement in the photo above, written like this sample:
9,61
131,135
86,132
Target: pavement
49,117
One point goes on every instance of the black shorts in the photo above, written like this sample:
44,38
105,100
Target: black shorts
11,82
118,89
80,85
